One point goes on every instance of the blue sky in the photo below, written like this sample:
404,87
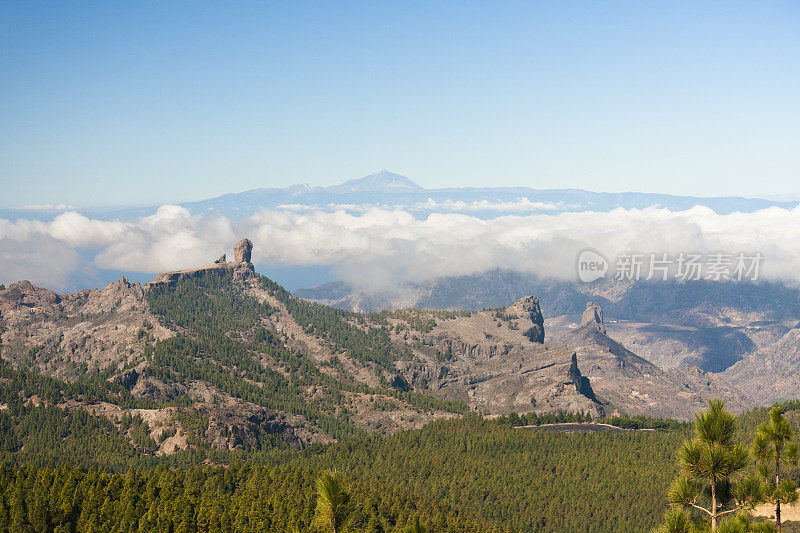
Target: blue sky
142,103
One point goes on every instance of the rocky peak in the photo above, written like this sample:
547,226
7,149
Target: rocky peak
527,308
582,384
242,251
121,294
593,316
26,295
242,268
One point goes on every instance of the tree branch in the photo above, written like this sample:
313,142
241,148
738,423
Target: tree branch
730,510
701,508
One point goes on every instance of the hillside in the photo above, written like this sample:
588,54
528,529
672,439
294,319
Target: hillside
217,364
737,335
220,356
221,343
251,363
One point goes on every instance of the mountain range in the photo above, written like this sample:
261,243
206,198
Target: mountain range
742,332
232,349
388,189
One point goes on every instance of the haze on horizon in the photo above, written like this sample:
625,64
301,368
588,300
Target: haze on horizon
117,104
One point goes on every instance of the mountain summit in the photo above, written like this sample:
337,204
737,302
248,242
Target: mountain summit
383,181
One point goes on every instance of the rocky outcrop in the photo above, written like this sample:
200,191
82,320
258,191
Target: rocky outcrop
451,347
127,379
593,316
121,294
422,375
399,382
582,384
528,309
242,251
242,268
243,426
27,296
142,384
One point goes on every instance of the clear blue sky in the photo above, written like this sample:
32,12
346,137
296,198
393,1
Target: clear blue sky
146,102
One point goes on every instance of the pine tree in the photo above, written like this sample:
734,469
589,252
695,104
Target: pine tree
710,467
332,498
772,447
415,527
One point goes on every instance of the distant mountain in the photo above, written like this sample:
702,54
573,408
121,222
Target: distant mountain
389,189
383,181
386,188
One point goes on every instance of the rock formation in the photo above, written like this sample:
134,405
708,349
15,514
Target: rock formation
582,384
242,251
242,268
593,315
528,308
25,295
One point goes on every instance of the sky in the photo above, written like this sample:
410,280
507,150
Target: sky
112,103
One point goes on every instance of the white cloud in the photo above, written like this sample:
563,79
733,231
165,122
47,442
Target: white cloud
381,247
521,204
47,207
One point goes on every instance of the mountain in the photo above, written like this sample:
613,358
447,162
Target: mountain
637,386
230,348
385,188
383,181
218,398
741,333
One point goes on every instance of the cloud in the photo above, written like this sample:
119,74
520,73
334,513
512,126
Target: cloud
47,207
40,259
378,248
522,204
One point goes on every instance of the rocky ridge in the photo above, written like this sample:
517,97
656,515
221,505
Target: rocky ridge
494,361
242,268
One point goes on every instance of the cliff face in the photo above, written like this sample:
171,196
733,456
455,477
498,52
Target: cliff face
528,309
496,362
582,384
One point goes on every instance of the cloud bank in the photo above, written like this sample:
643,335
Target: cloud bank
378,248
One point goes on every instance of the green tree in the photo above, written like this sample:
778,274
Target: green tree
710,466
772,447
678,521
742,523
415,526
332,498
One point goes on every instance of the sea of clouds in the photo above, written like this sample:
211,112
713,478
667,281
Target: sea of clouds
376,248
